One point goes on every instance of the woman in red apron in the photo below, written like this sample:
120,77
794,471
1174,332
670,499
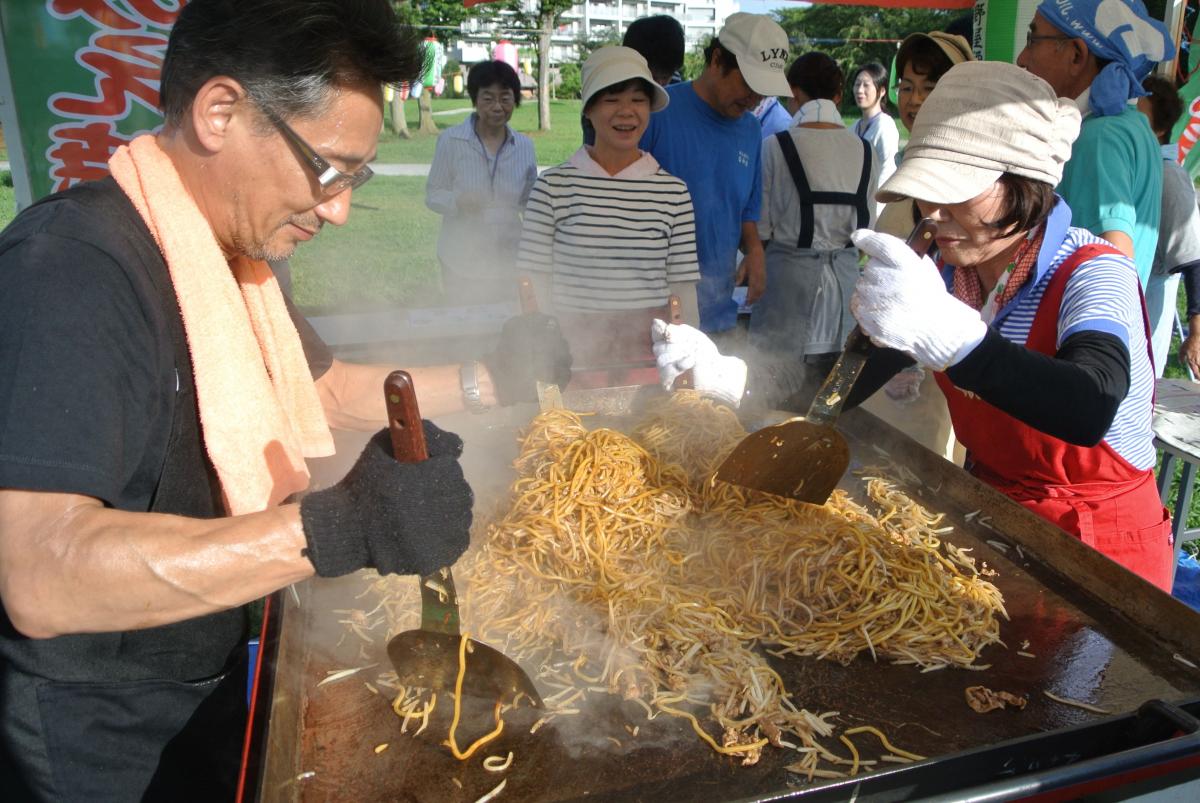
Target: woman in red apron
1038,328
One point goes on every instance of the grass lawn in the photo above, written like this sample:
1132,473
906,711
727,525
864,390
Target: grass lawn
552,146
8,198
385,255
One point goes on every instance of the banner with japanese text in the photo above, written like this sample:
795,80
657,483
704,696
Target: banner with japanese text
1187,130
84,78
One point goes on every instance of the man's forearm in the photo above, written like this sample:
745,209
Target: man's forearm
750,240
70,565
352,394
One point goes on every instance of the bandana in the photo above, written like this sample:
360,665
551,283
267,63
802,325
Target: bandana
1121,31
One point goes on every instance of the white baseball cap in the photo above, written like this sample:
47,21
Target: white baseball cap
612,65
761,49
983,119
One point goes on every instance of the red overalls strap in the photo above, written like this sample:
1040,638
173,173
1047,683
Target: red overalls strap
1091,492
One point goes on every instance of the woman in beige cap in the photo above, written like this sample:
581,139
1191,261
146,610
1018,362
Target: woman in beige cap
1036,329
609,235
910,402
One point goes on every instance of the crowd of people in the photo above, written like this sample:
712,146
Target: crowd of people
161,395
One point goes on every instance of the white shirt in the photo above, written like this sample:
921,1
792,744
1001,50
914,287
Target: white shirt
832,160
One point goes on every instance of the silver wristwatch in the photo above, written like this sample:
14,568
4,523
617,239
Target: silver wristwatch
468,374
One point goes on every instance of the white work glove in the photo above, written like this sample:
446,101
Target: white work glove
679,348
905,387
901,302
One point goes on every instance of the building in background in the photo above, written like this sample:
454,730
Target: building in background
596,20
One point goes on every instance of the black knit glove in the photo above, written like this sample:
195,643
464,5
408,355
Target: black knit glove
398,518
532,349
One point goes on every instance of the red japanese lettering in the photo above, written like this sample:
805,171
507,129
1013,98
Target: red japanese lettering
81,152
117,15
127,67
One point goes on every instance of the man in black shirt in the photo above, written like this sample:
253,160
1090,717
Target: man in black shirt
122,572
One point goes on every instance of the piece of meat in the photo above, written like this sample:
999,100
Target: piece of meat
982,699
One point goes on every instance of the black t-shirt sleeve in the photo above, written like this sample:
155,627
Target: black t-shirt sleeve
881,365
1191,286
316,351
81,370
1073,395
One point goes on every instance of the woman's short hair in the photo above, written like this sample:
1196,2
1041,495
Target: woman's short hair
878,75
618,88
925,57
493,73
1027,203
817,75
1166,107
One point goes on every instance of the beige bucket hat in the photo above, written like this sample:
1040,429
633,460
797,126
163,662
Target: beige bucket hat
612,65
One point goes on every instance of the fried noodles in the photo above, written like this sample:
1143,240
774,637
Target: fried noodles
620,565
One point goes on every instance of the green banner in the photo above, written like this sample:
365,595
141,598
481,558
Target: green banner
1000,27
1187,130
82,79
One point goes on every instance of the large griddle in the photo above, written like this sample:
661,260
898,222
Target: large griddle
1099,634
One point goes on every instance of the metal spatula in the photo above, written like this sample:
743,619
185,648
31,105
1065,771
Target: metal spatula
805,458
428,657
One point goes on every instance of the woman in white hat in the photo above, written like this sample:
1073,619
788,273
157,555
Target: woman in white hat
1037,330
609,235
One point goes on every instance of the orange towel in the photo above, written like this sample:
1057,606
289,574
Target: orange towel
259,410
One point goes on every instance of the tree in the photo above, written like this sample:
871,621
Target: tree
439,18
827,27
693,60
544,15
586,47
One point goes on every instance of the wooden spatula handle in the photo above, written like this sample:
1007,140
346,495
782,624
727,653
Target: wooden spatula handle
674,309
404,418
527,295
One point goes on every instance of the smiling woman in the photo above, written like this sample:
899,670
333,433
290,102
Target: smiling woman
609,234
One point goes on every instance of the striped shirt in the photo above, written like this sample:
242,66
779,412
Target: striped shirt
609,242
1102,295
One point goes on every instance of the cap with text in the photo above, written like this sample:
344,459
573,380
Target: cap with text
761,49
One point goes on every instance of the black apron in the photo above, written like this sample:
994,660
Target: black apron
805,311
111,733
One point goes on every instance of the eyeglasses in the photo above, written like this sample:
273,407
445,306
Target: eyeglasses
333,181
1031,38
503,100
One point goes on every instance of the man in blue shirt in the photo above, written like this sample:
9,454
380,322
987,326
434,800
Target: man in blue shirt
709,137
1113,181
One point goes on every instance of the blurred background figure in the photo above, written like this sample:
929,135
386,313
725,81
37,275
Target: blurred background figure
876,126
773,116
660,41
479,180
910,401
609,234
921,61
1178,251
819,179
